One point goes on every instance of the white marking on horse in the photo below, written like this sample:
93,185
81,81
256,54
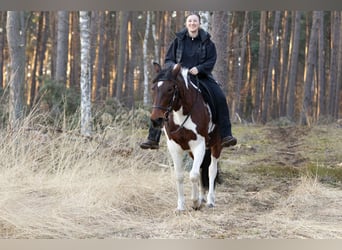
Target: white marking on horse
185,77
160,83
179,118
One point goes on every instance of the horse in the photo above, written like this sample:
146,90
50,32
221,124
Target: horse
186,119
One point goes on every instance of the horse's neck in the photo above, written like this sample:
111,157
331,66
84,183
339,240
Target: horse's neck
188,96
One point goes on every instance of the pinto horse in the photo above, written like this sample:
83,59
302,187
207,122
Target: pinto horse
179,108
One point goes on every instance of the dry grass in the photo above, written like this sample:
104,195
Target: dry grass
64,186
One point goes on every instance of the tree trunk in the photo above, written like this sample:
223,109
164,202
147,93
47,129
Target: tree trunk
62,47
2,45
339,74
130,65
306,113
335,36
249,98
235,68
220,37
42,58
321,110
100,59
284,64
261,64
146,99
94,27
86,120
167,32
293,66
333,61
241,66
269,80
123,17
34,85
16,43
155,37
75,51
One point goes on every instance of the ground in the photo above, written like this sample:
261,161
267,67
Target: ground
280,181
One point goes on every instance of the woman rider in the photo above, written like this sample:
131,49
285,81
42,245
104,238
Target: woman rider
194,49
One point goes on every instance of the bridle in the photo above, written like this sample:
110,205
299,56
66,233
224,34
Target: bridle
172,100
175,97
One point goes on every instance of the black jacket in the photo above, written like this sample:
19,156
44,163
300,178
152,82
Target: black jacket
204,55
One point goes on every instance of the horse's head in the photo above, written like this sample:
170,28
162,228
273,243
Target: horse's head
164,93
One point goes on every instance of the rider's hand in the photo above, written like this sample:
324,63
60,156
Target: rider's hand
193,71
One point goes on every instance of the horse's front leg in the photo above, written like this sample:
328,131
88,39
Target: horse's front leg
198,153
212,176
177,158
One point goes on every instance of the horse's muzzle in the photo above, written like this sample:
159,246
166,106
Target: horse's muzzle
157,123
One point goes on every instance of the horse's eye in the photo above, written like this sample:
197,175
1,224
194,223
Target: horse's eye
170,90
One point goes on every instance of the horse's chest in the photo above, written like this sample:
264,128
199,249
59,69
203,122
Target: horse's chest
182,129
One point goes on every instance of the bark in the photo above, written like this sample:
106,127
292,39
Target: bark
294,66
129,86
321,110
339,74
269,80
235,69
335,36
284,64
62,47
220,37
16,43
42,58
306,113
94,27
241,65
2,46
37,54
155,38
146,99
75,51
123,17
100,58
86,120
261,64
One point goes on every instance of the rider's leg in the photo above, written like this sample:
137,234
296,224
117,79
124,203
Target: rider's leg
153,139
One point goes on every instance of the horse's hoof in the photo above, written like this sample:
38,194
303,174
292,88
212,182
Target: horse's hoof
197,205
210,205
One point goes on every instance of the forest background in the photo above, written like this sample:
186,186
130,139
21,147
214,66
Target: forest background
62,73
271,64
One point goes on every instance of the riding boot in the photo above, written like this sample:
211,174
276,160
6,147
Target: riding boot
153,139
225,126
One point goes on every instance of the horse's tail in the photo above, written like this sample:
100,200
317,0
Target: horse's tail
205,170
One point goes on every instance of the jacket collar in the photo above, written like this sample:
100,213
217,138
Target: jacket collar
202,34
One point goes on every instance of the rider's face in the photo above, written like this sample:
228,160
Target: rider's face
192,23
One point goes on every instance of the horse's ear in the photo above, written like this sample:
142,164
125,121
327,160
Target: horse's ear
176,69
156,67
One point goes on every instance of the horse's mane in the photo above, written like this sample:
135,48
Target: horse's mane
164,74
